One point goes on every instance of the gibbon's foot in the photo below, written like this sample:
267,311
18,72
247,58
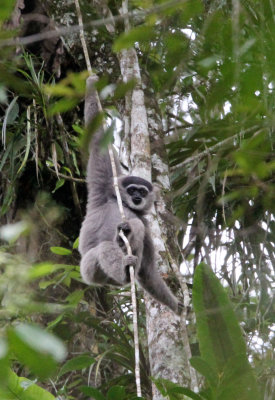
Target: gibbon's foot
129,261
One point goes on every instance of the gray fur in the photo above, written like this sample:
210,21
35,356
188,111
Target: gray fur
104,256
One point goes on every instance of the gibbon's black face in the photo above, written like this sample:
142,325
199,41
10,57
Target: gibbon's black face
137,193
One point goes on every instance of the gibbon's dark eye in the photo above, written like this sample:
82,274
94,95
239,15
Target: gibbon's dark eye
131,190
143,192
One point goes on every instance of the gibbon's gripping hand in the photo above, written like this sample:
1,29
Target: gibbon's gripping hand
126,229
129,261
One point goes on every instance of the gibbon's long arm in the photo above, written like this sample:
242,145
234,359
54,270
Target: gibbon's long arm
157,288
99,171
150,279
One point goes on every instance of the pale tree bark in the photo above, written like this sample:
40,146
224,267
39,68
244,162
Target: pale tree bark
169,250
167,355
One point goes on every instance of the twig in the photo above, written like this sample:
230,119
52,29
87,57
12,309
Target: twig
215,147
36,140
135,321
132,274
223,192
67,177
37,37
124,13
82,37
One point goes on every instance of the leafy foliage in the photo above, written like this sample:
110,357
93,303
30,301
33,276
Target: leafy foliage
23,389
223,351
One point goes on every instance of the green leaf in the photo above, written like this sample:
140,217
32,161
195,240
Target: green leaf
44,284
93,126
116,393
16,388
59,184
41,341
78,129
189,9
36,348
40,270
3,348
3,94
63,105
173,391
252,154
186,392
163,385
139,34
90,391
4,360
237,378
28,140
76,363
108,136
209,62
124,88
7,7
136,398
218,331
76,243
75,297
205,369
11,113
220,337
61,251
246,46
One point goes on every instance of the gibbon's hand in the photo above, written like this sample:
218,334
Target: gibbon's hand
129,261
126,230
125,227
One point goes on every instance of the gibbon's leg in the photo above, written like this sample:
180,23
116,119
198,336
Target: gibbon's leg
106,264
90,269
115,263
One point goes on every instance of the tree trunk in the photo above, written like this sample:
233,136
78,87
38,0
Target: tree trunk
166,351
169,348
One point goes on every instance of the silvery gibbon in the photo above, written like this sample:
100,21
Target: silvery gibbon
104,256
